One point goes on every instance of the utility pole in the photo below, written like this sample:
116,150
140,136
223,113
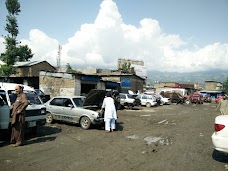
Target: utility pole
59,58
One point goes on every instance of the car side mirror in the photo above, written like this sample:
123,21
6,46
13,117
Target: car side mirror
70,105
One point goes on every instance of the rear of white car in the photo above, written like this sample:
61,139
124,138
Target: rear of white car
220,136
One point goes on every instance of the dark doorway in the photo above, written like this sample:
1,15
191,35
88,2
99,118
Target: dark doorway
85,88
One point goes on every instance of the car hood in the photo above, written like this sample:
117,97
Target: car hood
94,99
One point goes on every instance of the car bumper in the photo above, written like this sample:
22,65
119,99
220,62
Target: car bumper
220,143
34,123
98,121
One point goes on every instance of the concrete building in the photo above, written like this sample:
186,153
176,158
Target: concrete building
213,85
127,81
165,84
32,69
121,61
28,73
57,83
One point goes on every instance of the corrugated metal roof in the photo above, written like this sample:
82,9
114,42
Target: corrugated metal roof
27,63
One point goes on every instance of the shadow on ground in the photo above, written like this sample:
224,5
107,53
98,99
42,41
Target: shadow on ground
31,136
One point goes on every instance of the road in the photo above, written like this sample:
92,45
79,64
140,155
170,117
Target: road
170,138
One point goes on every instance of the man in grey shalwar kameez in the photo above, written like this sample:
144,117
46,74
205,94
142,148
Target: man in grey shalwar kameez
110,113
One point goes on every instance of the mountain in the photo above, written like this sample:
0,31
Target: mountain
187,77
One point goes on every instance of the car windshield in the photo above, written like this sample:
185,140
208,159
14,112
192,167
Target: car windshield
33,98
79,101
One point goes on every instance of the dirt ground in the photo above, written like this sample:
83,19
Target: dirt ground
170,138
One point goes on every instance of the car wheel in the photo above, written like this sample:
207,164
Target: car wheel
49,118
148,105
85,122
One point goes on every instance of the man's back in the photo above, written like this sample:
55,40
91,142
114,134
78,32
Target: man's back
224,107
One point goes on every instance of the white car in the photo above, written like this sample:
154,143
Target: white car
147,100
72,109
220,136
164,100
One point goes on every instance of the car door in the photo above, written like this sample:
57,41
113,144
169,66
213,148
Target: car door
143,99
69,111
122,99
55,107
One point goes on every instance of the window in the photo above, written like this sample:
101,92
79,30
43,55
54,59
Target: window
122,96
78,101
57,102
32,97
67,102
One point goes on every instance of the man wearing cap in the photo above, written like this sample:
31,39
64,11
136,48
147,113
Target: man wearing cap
18,117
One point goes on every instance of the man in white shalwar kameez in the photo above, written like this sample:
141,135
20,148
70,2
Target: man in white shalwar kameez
109,113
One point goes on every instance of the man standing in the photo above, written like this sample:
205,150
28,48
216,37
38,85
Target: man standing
110,113
223,105
18,117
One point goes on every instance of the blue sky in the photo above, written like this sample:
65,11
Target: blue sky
195,25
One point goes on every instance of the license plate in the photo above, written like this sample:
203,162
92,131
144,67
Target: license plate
31,124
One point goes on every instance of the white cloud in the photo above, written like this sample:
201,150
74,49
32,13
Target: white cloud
101,43
43,47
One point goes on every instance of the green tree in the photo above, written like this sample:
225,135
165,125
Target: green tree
225,86
13,52
7,70
70,70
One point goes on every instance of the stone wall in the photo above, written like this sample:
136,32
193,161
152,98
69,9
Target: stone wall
57,84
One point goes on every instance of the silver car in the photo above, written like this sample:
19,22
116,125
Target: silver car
71,109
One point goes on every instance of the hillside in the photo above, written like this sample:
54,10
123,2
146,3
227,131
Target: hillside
189,77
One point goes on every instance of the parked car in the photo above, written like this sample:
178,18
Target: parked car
196,98
207,98
165,100
158,99
4,115
129,100
34,114
96,97
43,96
74,109
174,97
220,136
147,100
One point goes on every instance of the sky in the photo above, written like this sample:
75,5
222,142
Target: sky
168,35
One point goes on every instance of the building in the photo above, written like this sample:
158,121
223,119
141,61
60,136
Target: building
121,61
138,65
28,68
213,85
127,81
60,83
27,73
165,84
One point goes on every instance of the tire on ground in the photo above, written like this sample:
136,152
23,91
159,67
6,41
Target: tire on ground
85,122
148,104
49,118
